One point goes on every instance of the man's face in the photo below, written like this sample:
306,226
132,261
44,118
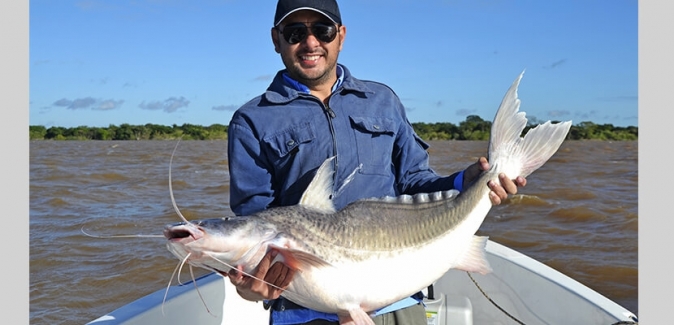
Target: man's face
311,61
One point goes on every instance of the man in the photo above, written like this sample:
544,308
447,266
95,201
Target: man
315,109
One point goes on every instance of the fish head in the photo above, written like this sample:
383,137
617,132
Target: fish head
219,244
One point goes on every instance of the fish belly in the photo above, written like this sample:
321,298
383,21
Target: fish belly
378,281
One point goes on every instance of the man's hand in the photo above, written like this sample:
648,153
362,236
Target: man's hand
499,191
276,279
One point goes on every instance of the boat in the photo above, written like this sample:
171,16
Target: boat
520,290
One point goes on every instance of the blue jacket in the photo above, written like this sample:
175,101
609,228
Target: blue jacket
277,141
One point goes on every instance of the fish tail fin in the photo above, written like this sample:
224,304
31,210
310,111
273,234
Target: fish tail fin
475,259
520,156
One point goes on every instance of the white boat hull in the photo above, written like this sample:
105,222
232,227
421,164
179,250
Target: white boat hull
524,288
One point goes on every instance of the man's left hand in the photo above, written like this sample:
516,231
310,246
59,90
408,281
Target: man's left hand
499,190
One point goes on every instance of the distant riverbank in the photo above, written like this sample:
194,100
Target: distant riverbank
473,128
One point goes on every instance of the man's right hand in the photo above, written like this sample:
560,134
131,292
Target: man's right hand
276,277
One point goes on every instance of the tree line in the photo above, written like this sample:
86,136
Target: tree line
473,128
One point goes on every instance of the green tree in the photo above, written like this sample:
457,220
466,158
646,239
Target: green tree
37,132
55,132
217,131
159,131
124,132
194,132
100,134
474,128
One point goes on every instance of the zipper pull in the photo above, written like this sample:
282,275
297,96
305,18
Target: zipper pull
331,113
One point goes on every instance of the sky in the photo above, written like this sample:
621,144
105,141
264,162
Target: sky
97,62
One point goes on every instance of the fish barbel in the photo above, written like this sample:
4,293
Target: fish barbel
349,262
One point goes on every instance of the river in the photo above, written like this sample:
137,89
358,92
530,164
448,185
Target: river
578,214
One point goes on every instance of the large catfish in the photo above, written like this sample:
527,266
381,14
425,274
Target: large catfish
350,262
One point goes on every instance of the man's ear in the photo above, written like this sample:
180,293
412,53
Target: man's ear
342,36
275,40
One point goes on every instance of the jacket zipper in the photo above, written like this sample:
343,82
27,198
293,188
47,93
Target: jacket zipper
331,115
330,112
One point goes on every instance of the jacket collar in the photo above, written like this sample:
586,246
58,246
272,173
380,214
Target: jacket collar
279,92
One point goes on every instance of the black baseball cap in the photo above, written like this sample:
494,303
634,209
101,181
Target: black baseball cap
327,8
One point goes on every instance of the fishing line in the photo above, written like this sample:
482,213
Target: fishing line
634,322
173,200
199,292
492,301
242,271
179,268
119,236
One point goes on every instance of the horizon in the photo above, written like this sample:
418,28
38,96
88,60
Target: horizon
226,124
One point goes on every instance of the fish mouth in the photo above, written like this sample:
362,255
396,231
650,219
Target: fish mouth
181,237
171,234
180,231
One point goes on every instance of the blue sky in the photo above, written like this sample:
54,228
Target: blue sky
96,62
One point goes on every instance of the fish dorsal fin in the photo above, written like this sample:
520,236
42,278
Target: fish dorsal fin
318,195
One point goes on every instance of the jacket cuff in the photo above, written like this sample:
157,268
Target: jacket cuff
458,181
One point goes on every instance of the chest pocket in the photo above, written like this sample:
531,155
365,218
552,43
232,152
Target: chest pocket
289,140
375,137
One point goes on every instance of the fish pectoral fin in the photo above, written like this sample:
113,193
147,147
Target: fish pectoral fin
299,260
475,259
357,316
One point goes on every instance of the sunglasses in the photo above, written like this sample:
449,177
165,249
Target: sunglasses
298,32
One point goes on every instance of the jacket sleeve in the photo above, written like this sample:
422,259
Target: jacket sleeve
414,174
250,181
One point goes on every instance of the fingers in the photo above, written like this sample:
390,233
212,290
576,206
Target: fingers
484,163
473,171
494,198
265,263
280,275
236,276
267,281
505,186
277,274
249,282
497,194
499,190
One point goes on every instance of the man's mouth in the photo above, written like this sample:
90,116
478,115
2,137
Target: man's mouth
310,57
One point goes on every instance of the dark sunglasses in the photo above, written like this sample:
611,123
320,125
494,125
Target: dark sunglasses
298,32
